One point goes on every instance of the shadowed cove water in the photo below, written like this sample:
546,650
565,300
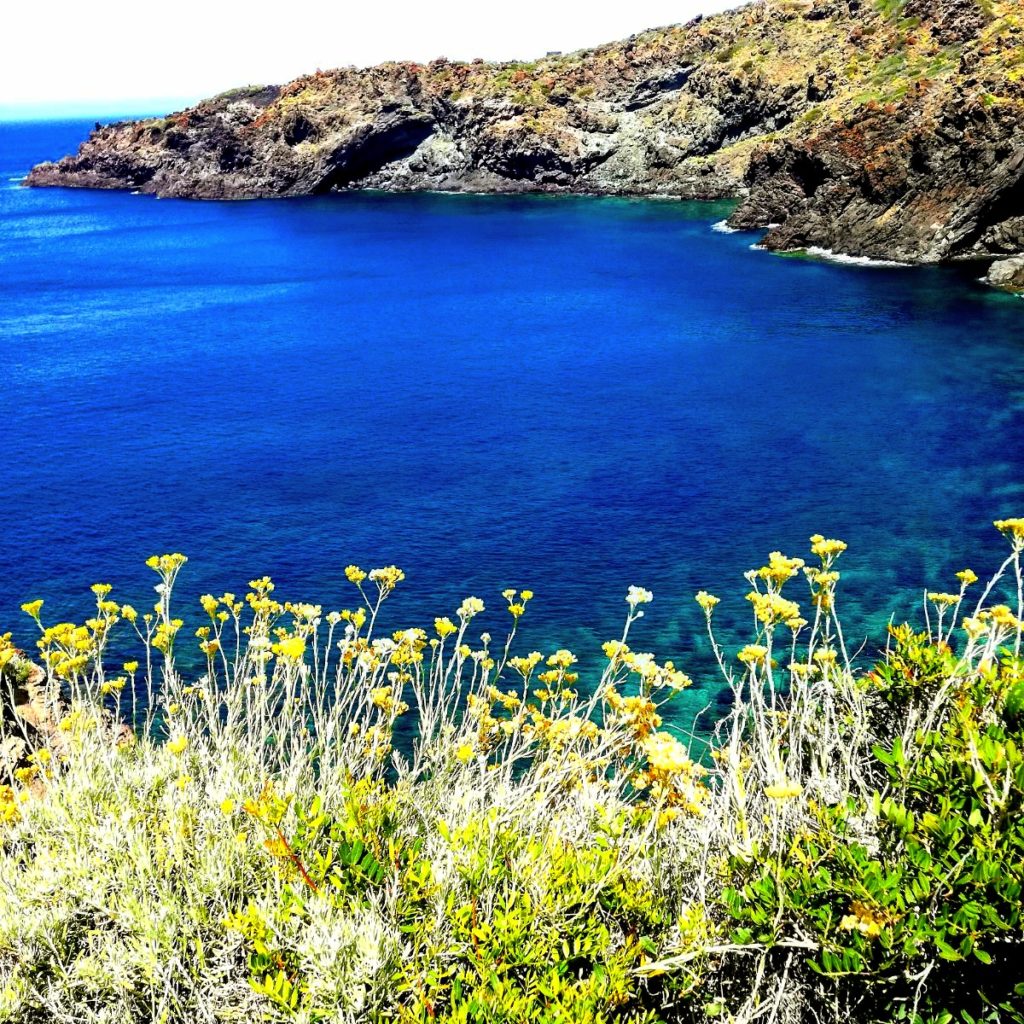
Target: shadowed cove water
566,394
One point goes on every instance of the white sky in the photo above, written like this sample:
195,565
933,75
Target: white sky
126,55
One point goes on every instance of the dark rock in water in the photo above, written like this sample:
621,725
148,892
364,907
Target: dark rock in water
885,130
1007,274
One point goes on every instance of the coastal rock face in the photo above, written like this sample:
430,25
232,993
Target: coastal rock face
31,710
876,127
27,715
935,174
1007,274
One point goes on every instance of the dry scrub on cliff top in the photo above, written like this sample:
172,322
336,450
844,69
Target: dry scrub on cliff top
276,844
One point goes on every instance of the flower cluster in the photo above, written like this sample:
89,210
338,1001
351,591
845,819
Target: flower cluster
671,778
866,920
1013,529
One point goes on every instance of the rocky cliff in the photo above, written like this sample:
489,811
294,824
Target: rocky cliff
887,128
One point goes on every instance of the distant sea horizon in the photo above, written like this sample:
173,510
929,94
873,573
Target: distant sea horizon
89,113
561,393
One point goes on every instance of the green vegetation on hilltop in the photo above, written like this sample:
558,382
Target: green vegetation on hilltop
260,845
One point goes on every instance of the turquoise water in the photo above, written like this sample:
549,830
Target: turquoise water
567,394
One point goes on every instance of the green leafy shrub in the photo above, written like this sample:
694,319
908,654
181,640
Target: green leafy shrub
258,845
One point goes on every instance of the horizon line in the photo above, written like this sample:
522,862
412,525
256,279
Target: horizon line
99,108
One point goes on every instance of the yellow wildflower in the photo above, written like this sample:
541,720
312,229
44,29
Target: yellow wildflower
524,666
387,578
1013,529
785,790
562,659
637,596
615,650
1002,616
470,607
292,647
826,548
445,627
9,812
666,754
753,654
668,815
772,608
780,568
824,579
974,627
166,564
869,922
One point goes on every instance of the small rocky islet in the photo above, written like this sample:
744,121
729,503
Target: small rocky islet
889,129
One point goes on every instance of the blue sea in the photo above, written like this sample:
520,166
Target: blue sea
566,394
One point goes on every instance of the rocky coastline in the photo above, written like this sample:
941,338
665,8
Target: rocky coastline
890,129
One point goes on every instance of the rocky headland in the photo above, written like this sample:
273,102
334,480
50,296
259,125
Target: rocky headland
882,128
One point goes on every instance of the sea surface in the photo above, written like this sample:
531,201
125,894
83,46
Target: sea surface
566,394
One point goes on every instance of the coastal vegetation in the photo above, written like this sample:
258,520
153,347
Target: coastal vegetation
325,823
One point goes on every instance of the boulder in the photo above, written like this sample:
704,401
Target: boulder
1007,274
27,712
